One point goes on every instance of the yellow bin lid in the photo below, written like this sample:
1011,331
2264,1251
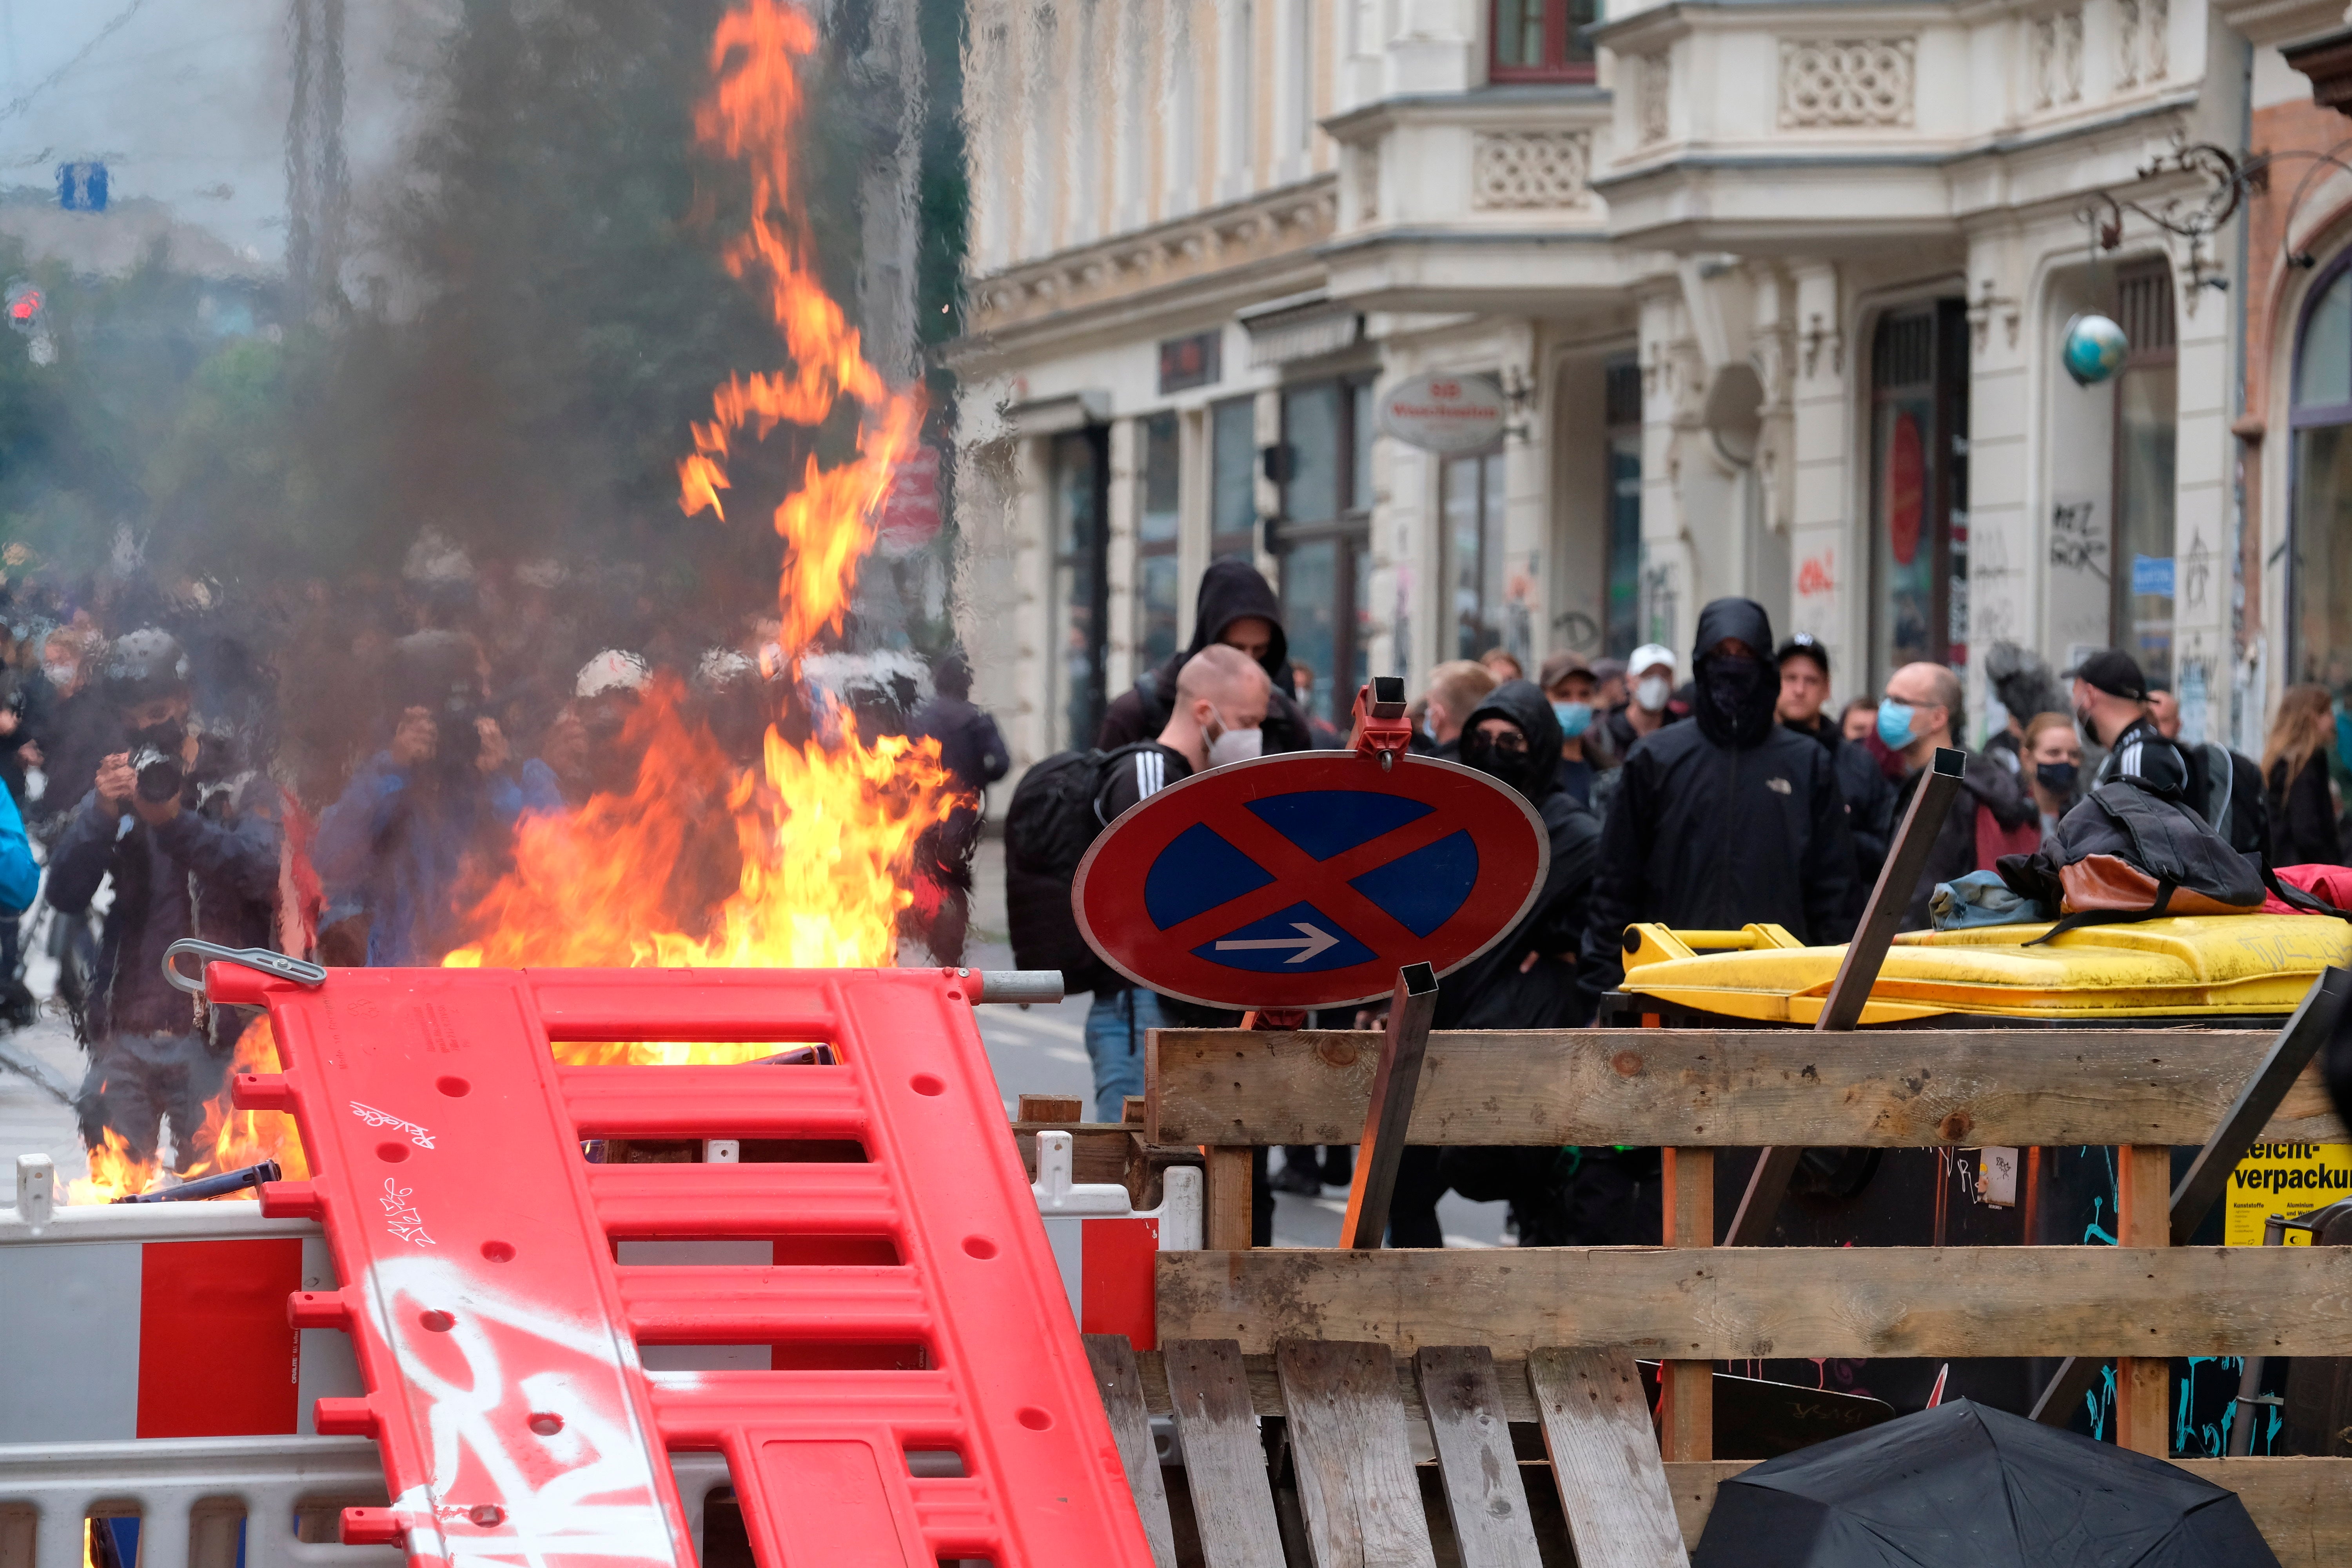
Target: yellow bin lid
2178,967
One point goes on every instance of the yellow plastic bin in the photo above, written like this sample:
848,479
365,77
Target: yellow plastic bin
2185,967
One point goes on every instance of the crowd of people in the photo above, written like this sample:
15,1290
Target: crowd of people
339,772
1707,796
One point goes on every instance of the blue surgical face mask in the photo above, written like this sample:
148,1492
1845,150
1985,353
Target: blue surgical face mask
1574,718
1894,723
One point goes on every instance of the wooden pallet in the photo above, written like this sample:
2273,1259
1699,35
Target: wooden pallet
1354,1418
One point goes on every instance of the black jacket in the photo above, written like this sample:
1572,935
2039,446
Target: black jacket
1711,836
1490,992
1230,589
1869,805
2302,816
1984,784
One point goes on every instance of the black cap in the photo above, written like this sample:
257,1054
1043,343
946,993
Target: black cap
2113,671
1807,644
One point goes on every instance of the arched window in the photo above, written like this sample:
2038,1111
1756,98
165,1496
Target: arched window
2319,587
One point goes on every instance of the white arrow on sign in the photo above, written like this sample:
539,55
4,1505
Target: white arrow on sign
1311,940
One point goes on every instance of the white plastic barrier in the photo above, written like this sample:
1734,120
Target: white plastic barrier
1104,1247
190,1493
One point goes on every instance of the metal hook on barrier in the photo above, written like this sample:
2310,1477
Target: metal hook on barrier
300,970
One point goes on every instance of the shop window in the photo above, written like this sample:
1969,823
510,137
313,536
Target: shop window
1621,629
2147,395
1541,40
1081,586
2319,588
1156,585
1471,491
1233,478
1322,542
1918,508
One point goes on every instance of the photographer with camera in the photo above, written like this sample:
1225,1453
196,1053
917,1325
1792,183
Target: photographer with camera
392,851
191,845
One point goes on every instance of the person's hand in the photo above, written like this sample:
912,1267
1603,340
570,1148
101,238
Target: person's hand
9,723
117,783
495,750
31,751
416,739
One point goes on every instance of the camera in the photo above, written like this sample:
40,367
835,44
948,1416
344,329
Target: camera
161,774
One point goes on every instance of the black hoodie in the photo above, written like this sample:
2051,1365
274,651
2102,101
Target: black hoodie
1491,992
1711,836
1230,589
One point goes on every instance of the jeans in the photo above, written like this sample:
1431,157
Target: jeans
1115,1027
136,1081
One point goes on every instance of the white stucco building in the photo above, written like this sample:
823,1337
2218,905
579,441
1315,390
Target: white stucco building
1775,291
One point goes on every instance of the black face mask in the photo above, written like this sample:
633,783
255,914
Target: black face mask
1736,697
2058,778
1515,769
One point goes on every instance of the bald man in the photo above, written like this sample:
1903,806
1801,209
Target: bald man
1991,816
1218,717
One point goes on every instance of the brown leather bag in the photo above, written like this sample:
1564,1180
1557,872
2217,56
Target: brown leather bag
2111,883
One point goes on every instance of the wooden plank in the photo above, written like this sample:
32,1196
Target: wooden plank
2302,1507
1266,1387
2144,1383
1395,1081
1704,1088
1226,1199
1356,1481
1121,1387
1051,1108
1686,1393
1485,1496
1596,1428
1224,1463
1729,1303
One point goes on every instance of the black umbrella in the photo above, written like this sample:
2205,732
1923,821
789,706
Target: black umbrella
1965,1487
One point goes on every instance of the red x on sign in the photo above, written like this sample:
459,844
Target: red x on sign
1307,879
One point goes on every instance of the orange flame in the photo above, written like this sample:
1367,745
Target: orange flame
827,525
825,834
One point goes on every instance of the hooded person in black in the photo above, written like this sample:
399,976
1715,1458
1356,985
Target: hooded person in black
1232,594
1726,820
1526,980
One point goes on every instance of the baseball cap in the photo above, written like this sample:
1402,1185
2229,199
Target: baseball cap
1649,656
1559,666
2113,671
1807,644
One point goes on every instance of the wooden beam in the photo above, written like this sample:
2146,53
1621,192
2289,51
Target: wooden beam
1356,1480
2144,1383
2302,1507
1738,1303
1112,1360
1705,1088
1224,1463
1226,1199
1484,1496
1687,1391
1596,1428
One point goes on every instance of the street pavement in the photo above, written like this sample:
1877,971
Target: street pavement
1035,1049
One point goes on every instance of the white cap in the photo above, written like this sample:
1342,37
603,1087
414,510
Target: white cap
1649,656
614,669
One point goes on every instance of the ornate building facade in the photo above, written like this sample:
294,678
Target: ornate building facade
1774,293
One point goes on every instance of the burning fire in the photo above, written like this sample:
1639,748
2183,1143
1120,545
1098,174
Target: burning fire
234,1138
824,832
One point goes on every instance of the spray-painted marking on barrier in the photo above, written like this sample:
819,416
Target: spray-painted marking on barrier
558,1445
420,1136
400,1216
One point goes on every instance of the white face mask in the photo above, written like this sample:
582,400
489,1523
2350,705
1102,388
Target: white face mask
1235,745
1652,692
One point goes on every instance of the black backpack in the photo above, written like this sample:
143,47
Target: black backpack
1054,816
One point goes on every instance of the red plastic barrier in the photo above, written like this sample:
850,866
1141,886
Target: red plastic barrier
496,1335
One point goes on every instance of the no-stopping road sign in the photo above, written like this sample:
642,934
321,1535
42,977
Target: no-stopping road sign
1307,880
